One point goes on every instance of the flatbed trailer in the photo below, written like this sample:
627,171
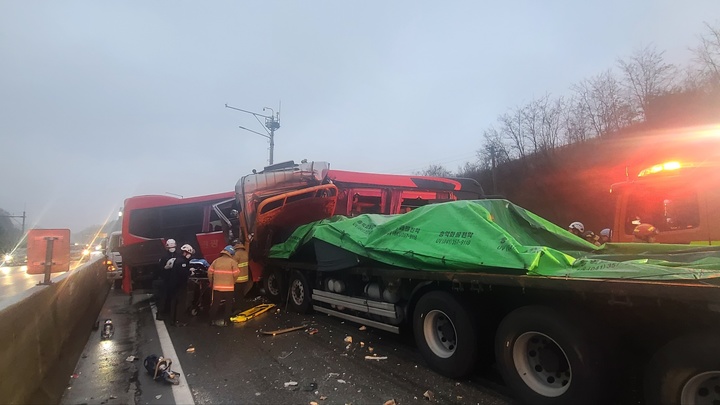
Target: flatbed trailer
553,339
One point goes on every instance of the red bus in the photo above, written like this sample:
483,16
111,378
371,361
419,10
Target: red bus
149,220
361,193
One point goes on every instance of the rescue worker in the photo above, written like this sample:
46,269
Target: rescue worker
605,235
577,229
176,288
592,238
645,233
170,246
242,286
158,284
222,274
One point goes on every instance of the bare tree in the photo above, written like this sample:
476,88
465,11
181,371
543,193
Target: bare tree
494,149
603,104
707,56
542,119
469,169
512,128
553,129
576,121
435,170
647,76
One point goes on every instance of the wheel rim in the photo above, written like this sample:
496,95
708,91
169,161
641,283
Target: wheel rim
542,364
702,389
298,292
273,284
440,334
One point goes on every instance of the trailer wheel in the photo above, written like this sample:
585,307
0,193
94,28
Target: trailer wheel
274,284
445,334
299,293
549,357
685,371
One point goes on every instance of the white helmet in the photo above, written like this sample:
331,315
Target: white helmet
187,248
605,232
577,226
170,243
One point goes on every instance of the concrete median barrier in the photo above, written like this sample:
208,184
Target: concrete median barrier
44,331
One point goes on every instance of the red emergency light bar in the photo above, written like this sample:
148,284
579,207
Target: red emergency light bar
663,167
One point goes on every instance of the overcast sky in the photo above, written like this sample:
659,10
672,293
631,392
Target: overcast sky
103,100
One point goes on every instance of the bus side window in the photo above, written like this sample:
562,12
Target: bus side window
365,205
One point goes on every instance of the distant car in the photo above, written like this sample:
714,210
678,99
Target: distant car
114,258
17,257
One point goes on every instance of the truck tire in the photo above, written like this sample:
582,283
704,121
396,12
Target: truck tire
446,334
299,294
685,371
274,286
550,357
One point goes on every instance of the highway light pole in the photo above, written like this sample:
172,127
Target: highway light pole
18,216
272,123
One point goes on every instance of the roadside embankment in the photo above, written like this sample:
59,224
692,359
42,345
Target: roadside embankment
44,330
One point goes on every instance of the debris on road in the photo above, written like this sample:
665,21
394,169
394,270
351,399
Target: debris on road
291,384
370,349
429,395
159,368
341,381
348,339
313,403
281,331
158,396
362,327
310,387
312,331
390,402
190,349
108,330
285,355
323,397
75,375
373,357
362,344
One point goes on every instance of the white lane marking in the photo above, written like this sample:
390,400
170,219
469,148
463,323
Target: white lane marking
181,392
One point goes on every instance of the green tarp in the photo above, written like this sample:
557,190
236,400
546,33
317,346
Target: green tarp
498,236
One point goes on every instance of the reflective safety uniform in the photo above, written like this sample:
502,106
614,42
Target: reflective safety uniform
223,272
241,257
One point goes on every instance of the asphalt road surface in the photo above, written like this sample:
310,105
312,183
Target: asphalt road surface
239,364
14,280
324,362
